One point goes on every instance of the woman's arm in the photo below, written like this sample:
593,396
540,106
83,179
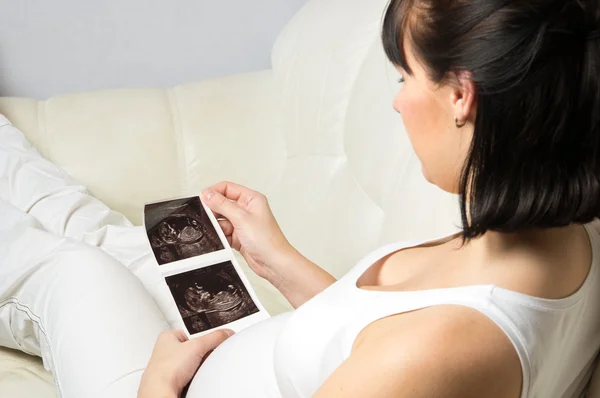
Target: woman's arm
250,228
443,351
298,278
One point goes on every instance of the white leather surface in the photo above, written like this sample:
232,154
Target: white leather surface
317,134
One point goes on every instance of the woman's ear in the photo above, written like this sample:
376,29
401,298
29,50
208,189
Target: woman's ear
464,98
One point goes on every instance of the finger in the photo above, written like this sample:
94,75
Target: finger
235,242
209,342
220,204
233,191
219,216
180,335
226,226
244,196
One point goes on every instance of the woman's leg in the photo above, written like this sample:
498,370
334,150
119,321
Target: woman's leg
90,319
65,208
36,186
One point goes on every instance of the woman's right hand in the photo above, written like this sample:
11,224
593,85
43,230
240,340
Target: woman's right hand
250,227
174,361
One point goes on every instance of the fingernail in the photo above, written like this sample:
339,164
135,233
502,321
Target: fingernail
229,332
208,194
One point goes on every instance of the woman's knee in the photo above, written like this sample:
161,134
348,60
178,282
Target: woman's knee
96,315
82,290
80,277
82,266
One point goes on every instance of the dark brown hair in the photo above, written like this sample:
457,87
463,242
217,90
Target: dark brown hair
533,160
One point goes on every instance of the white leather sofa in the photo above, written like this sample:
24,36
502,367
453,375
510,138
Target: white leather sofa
316,133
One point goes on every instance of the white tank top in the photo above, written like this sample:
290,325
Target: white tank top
292,354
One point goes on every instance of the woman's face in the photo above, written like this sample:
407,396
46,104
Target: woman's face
428,112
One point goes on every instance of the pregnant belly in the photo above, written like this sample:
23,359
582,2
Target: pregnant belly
243,365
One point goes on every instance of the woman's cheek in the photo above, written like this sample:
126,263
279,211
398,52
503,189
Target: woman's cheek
410,118
402,105
410,107
422,139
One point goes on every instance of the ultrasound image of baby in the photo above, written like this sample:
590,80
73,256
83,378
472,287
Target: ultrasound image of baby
180,229
210,297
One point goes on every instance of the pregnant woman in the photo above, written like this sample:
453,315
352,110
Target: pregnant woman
501,101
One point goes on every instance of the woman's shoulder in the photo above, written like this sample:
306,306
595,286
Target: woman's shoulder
442,343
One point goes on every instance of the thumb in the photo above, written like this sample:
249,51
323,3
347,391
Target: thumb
209,342
220,204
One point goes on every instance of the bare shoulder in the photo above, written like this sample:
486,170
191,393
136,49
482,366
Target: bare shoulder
442,351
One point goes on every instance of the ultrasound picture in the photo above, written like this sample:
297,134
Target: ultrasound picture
210,297
180,229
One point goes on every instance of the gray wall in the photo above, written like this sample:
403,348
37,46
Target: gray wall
50,47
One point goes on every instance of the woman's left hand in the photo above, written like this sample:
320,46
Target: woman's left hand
175,360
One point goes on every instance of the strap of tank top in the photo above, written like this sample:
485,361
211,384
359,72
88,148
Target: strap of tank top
371,258
383,251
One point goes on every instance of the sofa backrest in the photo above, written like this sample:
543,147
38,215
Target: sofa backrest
350,169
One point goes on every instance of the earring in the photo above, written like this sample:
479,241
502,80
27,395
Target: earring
456,122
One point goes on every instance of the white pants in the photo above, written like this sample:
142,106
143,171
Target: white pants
78,284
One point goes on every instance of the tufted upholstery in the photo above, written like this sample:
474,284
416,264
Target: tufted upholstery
317,134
